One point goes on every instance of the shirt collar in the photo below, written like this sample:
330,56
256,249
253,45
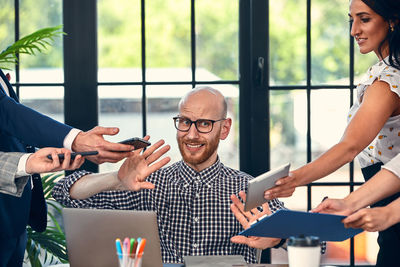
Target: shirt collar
206,176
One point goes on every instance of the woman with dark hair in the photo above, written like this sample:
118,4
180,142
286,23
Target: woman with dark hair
373,130
389,10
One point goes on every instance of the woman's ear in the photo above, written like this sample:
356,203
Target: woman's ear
393,24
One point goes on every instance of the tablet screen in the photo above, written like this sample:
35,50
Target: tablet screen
263,182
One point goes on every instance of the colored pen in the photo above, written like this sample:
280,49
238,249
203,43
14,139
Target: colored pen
135,245
132,250
126,251
139,239
141,247
119,248
127,246
139,253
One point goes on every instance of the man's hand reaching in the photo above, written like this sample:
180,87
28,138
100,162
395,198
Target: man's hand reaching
39,163
246,218
94,140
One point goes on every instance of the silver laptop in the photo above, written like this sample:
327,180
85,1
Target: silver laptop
91,235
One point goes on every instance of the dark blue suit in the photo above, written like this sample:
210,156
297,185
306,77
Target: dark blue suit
21,127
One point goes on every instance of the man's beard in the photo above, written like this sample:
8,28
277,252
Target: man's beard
210,148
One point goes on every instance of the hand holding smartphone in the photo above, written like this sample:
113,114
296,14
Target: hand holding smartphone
137,142
74,154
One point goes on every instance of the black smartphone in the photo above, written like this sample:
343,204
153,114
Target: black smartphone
137,142
74,154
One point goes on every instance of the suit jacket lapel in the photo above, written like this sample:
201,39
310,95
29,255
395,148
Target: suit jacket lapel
2,90
1,87
9,87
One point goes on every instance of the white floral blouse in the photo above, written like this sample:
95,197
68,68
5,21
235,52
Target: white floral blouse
386,144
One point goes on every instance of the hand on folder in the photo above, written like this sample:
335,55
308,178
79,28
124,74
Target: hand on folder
369,219
333,206
246,219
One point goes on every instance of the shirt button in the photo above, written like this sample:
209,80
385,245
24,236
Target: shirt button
197,195
196,219
195,245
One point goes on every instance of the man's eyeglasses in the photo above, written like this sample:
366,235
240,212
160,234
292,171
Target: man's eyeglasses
202,125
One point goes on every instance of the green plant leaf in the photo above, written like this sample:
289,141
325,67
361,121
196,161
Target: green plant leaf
31,44
50,245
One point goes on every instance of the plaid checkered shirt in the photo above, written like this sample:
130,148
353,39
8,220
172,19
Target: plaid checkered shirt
193,208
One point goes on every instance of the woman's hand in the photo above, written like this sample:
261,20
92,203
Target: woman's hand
284,187
334,206
370,219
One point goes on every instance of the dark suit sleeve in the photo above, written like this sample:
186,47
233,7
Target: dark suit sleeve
29,126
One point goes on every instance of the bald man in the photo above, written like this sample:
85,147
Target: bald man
192,197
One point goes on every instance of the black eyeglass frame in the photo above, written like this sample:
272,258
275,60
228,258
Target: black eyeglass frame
195,123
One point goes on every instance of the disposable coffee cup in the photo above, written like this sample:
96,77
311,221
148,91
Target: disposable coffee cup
304,251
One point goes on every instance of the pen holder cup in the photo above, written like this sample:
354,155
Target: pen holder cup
130,260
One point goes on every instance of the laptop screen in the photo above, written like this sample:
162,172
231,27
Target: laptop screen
91,235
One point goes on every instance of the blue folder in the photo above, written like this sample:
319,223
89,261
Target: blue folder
286,223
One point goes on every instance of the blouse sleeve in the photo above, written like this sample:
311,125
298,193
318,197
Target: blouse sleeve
391,76
393,166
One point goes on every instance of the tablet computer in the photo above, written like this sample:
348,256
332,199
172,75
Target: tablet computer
263,182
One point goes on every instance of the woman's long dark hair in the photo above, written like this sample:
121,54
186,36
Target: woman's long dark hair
389,10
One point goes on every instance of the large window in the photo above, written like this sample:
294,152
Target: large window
287,68
313,67
37,79
150,53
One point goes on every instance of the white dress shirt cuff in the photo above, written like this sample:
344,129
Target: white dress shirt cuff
69,139
21,170
393,166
